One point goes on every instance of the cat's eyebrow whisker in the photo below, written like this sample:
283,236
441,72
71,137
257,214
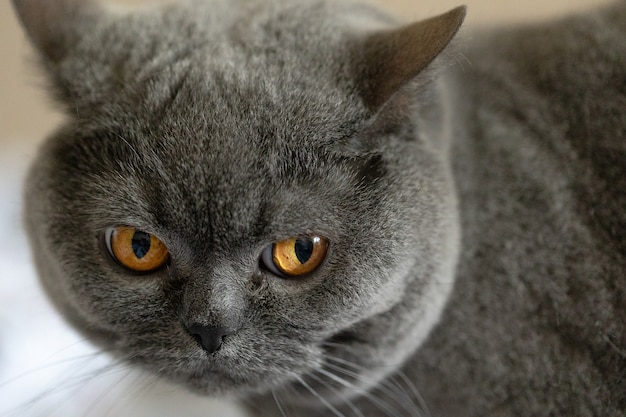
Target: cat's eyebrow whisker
322,400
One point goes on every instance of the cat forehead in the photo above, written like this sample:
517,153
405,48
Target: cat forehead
261,64
275,37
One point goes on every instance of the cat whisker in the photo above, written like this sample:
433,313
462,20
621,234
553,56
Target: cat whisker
278,404
289,407
104,393
81,381
413,389
142,384
356,367
31,379
321,399
379,403
47,366
393,391
345,399
74,380
286,408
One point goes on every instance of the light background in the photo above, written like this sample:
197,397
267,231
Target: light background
45,368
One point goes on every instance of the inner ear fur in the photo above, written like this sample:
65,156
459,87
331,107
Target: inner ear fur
392,58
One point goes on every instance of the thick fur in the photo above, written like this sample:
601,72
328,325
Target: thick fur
536,325
222,127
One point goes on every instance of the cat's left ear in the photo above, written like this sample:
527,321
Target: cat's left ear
54,25
390,59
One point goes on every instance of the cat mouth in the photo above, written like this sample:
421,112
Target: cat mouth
218,377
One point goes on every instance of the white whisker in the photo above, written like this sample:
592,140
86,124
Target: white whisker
278,404
297,394
61,362
414,391
379,403
320,398
345,399
104,393
74,382
393,391
132,392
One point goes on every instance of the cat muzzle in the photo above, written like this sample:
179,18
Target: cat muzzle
209,337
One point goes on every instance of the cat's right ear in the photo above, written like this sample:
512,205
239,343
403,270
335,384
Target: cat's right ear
53,25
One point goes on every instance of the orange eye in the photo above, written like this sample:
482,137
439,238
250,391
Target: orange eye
136,250
296,256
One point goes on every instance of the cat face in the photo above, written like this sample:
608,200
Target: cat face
279,189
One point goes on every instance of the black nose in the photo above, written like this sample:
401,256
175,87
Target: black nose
210,337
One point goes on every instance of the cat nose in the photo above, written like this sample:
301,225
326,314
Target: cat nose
210,337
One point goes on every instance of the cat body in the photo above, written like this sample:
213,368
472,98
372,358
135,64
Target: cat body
474,221
540,163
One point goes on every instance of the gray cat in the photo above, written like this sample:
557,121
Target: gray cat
308,206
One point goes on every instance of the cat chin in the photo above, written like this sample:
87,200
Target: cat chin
219,384
227,383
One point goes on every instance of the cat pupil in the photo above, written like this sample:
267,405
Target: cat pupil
141,244
303,249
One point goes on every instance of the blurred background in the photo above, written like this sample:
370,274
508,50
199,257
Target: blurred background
45,368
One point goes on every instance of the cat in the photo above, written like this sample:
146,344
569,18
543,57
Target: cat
319,210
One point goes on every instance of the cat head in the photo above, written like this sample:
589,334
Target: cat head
243,190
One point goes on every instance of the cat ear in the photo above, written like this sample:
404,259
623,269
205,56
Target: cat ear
390,59
52,24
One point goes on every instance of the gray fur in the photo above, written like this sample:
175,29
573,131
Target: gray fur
223,126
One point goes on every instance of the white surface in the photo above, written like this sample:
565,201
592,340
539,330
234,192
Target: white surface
46,369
